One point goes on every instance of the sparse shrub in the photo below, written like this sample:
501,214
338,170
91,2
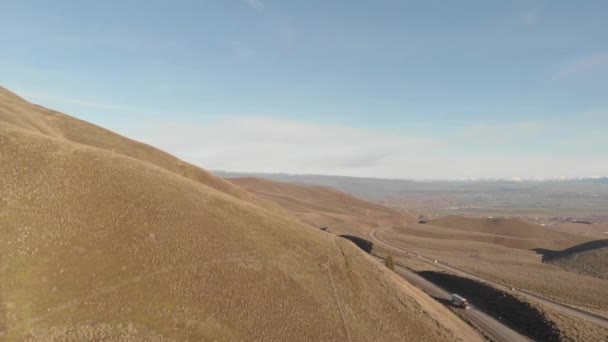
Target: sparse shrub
390,263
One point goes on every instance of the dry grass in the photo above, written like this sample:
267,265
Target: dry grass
590,262
570,328
507,232
116,245
321,206
575,329
598,230
496,249
34,118
515,267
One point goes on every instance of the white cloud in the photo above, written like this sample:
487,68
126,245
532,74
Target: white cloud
582,66
501,133
257,144
257,4
272,145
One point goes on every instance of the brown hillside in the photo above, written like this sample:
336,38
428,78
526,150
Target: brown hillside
321,206
590,258
99,245
15,110
592,263
510,232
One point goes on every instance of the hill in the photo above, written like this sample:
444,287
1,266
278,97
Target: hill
34,118
544,201
322,206
590,258
593,263
104,238
509,232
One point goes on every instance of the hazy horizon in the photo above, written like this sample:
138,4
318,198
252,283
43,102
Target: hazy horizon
405,90
229,173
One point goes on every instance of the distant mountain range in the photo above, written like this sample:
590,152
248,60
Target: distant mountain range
308,177
560,196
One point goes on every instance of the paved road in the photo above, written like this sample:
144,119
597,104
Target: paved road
491,327
564,308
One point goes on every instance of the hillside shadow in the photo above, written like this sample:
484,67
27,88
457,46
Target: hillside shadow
515,313
364,244
549,255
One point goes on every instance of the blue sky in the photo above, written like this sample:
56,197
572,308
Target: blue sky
405,89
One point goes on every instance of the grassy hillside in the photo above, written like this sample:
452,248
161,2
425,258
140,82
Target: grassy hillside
103,238
590,258
593,263
509,232
34,118
489,257
321,206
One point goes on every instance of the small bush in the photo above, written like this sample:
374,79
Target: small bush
390,263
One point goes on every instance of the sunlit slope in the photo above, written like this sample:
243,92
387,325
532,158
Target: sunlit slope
17,111
593,263
97,245
590,258
321,206
507,232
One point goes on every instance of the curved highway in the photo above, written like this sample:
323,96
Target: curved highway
488,325
564,308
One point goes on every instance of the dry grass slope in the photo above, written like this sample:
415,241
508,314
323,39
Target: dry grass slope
510,232
513,266
18,112
504,250
589,258
593,263
321,206
105,238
